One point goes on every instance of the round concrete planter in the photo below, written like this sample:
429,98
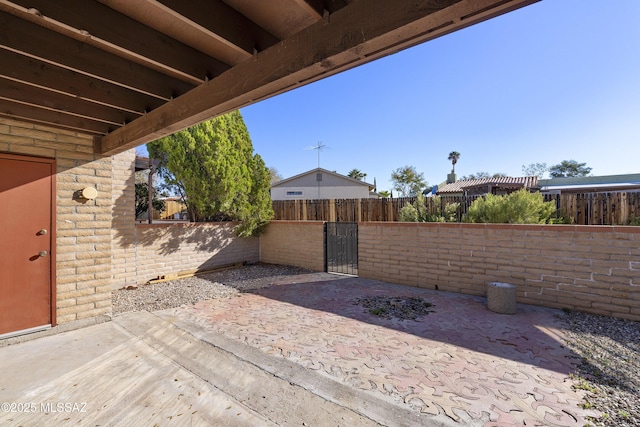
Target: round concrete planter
501,297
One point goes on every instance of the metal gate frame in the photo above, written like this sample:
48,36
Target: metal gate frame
341,247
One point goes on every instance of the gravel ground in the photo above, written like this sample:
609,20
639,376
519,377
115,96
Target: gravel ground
609,348
609,370
189,290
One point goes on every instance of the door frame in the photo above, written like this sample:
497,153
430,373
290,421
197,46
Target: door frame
52,227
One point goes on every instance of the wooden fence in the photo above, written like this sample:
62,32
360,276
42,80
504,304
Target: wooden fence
612,208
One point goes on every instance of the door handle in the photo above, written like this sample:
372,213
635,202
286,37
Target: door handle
42,253
42,232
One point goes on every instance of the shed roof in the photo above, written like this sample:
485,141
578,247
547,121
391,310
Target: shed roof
603,183
129,72
500,182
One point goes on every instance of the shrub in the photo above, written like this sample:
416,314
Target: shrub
520,207
451,212
409,214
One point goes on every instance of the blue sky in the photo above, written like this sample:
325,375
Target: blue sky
557,80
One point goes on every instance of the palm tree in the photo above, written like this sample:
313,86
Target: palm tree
357,174
454,156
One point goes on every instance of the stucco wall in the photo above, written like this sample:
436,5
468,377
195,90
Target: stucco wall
299,243
83,228
594,269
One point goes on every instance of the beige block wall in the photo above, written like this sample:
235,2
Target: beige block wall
299,243
147,251
174,249
594,269
83,240
123,248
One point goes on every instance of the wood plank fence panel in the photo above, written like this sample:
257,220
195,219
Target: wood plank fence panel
608,208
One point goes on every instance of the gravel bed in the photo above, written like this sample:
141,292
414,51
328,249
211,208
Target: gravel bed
189,290
403,308
609,369
608,348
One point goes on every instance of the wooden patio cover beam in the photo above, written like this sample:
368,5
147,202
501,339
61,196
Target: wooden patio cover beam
359,33
60,51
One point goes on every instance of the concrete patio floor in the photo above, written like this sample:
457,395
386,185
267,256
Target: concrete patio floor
299,352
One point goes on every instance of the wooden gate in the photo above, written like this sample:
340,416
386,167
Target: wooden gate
341,247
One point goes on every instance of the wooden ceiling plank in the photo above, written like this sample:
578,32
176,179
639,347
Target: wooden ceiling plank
321,50
116,33
223,23
315,8
154,15
30,113
29,39
32,72
54,101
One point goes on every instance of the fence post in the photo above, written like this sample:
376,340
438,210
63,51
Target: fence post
332,210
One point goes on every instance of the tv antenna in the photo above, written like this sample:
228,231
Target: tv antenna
318,147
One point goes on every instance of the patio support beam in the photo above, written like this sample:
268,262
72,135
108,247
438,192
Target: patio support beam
359,33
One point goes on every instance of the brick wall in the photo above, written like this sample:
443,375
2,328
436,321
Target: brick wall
299,243
83,240
587,268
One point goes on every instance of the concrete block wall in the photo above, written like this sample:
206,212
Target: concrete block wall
173,249
299,243
83,228
594,269
142,252
123,248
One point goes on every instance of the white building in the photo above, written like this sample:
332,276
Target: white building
321,184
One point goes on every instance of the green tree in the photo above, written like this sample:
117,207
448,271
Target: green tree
482,175
520,207
408,181
569,168
142,193
274,175
213,167
357,174
535,169
142,199
384,193
453,157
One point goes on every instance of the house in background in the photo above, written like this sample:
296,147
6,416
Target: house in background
321,184
591,184
479,187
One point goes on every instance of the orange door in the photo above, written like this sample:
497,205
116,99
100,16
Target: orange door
26,236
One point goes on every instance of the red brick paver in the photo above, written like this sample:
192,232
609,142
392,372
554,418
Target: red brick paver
461,360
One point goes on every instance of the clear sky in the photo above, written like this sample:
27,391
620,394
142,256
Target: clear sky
557,80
